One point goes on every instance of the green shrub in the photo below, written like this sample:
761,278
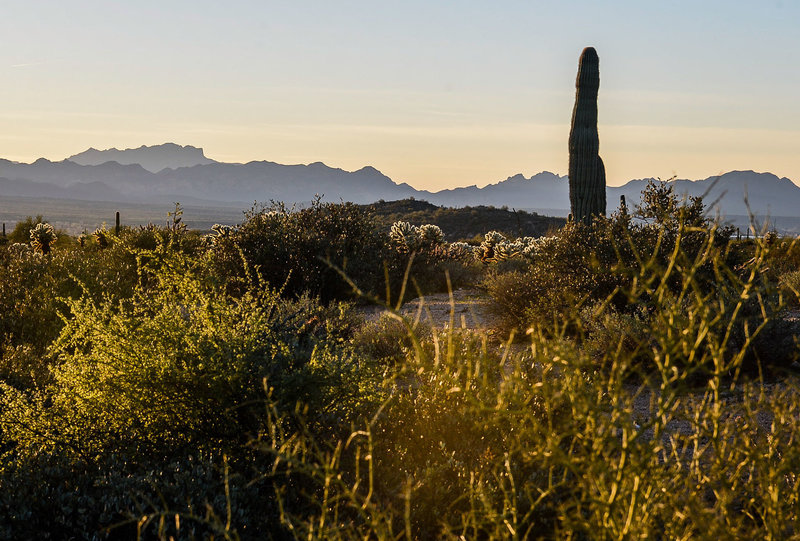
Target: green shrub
790,283
609,334
386,340
294,250
432,265
580,265
32,289
573,269
171,365
473,444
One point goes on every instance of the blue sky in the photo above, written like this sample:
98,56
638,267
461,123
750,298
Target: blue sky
436,94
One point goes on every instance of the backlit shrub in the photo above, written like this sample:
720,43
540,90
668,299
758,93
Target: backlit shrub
293,250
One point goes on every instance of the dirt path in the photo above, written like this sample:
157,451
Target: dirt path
469,309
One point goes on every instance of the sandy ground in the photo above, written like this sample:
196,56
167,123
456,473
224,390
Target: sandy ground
467,309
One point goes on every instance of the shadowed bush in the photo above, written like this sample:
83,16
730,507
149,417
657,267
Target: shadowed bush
290,249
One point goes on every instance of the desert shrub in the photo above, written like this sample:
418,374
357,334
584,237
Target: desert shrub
543,444
170,365
608,333
48,496
387,339
583,264
22,233
151,393
33,289
430,273
23,367
154,419
512,294
295,250
22,230
574,268
790,283
672,261
784,256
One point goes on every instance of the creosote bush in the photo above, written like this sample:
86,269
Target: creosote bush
294,250
175,371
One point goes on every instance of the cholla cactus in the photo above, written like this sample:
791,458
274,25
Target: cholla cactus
82,238
19,249
405,236
219,231
489,245
222,230
42,237
461,250
502,252
430,236
496,247
534,247
101,235
493,237
508,249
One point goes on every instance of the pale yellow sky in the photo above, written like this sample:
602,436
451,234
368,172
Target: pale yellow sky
431,95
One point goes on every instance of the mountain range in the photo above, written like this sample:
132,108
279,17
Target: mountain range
171,172
154,158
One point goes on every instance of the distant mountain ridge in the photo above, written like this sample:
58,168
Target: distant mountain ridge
732,193
153,158
201,180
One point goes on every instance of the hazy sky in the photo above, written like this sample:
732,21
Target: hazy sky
434,93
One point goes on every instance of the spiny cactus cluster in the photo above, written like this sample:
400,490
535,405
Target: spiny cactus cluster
218,232
408,238
495,247
430,235
461,251
43,236
19,249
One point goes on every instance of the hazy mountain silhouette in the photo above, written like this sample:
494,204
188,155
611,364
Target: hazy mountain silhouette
767,194
217,183
153,158
544,190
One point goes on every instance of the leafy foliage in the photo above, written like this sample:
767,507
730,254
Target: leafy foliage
294,251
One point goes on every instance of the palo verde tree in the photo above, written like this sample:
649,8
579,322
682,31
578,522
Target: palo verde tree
587,175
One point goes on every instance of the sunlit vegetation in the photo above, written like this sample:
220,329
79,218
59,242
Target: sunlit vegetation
640,382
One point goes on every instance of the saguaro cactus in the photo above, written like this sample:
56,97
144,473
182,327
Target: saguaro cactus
587,175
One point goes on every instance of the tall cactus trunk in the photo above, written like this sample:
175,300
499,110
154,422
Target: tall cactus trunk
587,175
